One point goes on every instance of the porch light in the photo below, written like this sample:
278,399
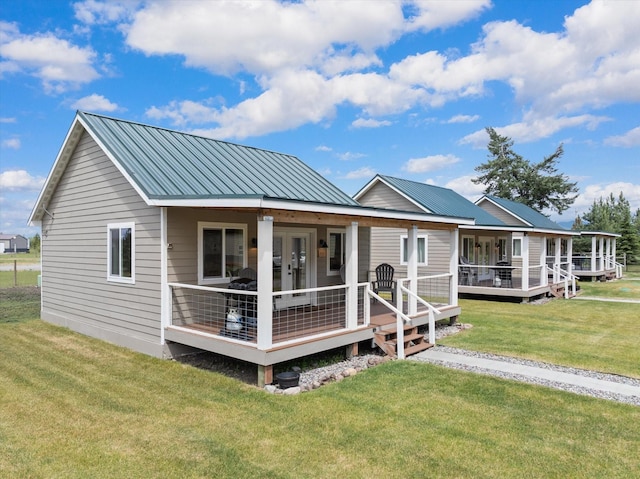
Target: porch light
254,242
322,249
323,244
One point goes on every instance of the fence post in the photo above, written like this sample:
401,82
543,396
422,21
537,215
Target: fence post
15,272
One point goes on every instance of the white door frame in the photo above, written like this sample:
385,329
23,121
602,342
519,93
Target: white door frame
286,262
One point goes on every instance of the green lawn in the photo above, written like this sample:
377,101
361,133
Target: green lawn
596,335
76,407
619,289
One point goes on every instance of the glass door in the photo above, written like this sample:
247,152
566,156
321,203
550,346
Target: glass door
291,267
484,258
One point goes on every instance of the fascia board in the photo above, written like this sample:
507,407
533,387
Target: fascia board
57,169
117,164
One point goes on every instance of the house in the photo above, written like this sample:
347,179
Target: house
10,243
510,251
162,241
597,261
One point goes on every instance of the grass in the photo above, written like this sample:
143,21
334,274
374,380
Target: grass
76,407
596,335
22,258
620,289
23,278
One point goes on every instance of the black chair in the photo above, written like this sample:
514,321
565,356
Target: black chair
384,280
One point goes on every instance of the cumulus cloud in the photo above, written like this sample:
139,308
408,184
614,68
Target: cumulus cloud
94,12
20,180
429,163
369,123
364,172
591,193
627,140
463,119
467,188
56,62
534,128
94,102
13,143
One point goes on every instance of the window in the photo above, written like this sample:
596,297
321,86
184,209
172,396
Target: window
517,246
468,248
422,250
502,249
121,253
221,251
336,253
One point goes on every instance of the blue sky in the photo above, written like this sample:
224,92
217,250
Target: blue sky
352,88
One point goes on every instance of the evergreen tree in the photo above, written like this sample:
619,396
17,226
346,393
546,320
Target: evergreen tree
508,175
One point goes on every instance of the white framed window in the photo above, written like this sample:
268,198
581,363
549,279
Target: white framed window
422,250
222,251
121,252
336,251
501,246
517,247
468,249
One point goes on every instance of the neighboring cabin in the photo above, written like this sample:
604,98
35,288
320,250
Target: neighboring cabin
160,241
511,250
13,243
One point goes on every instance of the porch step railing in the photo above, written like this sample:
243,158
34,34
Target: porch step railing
561,276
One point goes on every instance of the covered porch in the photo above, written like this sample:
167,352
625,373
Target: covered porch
597,261
310,291
520,263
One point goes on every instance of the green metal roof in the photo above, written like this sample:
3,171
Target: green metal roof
528,214
167,164
442,201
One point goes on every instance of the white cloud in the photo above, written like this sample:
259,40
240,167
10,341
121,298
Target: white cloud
20,180
432,15
534,129
364,172
13,143
369,123
94,103
592,193
7,120
323,148
463,119
59,64
467,188
429,163
94,12
350,156
628,140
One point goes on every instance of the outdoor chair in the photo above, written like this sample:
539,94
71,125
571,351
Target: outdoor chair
384,281
465,272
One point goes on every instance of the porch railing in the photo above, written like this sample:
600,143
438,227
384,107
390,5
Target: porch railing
297,315
563,276
500,276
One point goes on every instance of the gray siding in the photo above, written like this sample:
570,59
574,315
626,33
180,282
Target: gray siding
501,214
385,248
381,196
91,194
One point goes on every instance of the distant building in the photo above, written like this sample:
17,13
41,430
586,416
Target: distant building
13,243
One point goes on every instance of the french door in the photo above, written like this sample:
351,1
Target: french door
293,255
484,258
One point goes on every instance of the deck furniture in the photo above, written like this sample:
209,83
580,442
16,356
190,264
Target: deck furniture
465,272
384,280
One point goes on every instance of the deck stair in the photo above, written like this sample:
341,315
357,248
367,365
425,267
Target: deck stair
557,290
386,338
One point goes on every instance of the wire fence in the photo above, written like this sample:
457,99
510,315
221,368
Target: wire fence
14,273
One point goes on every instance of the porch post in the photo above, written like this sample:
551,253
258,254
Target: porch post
557,260
602,253
454,241
593,253
570,254
613,251
166,306
265,282
525,262
412,268
544,280
351,274
609,263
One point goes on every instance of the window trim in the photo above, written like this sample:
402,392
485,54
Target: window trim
513,247
343,233
426,249
205,225
119,278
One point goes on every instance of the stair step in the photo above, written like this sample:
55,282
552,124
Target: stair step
407,338
417,348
